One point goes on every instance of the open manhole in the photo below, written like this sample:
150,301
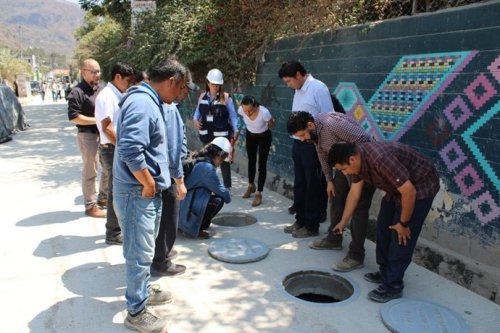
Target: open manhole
234,219
318,287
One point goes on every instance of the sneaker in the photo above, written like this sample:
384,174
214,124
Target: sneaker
347,264
158,296
145,321
114,240
173,269
325,244
250,189
374,277
303,233
291,228
382,295
291,209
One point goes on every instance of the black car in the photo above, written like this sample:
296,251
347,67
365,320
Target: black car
35,87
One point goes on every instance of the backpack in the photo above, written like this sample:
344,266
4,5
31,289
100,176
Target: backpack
337,106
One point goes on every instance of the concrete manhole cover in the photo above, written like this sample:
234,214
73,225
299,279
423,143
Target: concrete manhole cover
234,219
418,316
238,250
318,287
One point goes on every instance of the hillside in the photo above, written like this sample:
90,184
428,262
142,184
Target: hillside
47,24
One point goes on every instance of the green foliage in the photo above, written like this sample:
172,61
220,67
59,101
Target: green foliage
10,65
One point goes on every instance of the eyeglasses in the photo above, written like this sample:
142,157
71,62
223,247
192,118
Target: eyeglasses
93,72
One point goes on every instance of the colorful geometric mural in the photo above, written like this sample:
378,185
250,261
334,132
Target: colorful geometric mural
458,132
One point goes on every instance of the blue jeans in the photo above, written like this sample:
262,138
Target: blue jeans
393,259
139,220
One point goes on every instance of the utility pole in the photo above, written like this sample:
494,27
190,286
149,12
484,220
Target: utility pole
20,42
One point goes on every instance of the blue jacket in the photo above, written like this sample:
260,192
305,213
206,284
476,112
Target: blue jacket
200,183
140,139
176,139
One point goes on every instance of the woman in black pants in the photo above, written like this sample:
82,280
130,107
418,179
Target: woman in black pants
258,121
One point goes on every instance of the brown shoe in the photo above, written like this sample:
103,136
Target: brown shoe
95,212
304,232
257,200
250,189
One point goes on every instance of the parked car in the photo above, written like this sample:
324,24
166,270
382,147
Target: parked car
35,87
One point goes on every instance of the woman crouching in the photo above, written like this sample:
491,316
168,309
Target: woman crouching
206,194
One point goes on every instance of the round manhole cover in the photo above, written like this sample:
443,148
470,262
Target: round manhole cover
234,219
418,316
238,250
318,287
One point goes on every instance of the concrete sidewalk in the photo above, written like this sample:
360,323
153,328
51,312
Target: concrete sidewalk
58,275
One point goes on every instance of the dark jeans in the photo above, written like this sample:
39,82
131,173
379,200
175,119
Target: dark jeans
393,259
168,228
258,143
359,221
214,205
309,190
107,153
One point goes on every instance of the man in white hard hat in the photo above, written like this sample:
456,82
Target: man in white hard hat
215,116
206,194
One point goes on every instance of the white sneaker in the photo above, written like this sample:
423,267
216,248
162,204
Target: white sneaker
146,322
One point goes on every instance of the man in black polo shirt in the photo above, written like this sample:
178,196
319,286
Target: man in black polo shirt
81,104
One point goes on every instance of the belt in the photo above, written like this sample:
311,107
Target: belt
108,145
86,130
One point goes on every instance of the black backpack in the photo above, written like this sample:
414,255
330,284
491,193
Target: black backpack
337,106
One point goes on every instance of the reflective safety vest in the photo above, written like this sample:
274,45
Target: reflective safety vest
215,119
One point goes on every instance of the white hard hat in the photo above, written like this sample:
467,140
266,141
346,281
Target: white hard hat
215,76
222,143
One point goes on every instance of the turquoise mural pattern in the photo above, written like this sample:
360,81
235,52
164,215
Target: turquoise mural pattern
411,89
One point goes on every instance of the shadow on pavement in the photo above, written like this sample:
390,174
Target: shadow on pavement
96,279
61,216
60,246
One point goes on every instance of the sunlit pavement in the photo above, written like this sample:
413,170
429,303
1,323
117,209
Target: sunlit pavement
58,275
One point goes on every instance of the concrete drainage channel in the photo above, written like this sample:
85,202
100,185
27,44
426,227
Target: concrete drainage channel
318,287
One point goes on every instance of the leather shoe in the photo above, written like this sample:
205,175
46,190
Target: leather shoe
251,189
114,240
95,212
102,203
291,209
257,200
173,269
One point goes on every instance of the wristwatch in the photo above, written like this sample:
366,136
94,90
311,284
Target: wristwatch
405,224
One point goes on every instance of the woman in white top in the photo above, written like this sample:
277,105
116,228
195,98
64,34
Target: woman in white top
257,120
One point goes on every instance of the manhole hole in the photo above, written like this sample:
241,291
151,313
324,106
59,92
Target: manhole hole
398,316
238,250
234,219
318,287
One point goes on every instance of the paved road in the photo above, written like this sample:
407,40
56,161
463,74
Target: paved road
58,275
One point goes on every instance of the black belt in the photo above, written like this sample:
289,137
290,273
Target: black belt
86,130
108,145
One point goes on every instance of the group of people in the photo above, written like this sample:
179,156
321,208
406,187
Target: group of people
56,89
153,188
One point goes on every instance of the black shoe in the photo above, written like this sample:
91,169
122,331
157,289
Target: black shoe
382,295
114,240
374,277
291,209
170,271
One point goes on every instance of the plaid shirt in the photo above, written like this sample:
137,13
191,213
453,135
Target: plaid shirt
388,165
331,128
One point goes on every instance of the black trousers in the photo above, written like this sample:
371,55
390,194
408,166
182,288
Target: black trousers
359,221
214,205
258,143
168,228
309,190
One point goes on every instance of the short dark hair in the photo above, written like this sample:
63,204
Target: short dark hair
167,69
249,100
139,76
290,69
340,152
298,121
121,68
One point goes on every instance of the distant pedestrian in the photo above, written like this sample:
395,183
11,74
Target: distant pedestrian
206,194
258,121
43,87
410,181
53,89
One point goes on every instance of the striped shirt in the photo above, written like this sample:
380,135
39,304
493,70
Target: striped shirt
388,165
331,128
